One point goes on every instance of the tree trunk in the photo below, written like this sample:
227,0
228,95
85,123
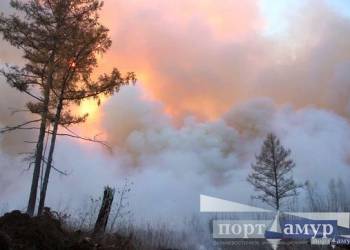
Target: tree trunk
277,199
50,157
102,219
52,147
53,142
40,145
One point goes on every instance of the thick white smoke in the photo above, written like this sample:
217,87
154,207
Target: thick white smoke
297,88
170,166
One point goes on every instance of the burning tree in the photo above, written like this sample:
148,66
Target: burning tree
271,173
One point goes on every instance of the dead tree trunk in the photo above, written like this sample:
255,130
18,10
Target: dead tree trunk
102,219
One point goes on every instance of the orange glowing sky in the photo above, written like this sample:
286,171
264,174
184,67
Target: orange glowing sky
162,42
201,57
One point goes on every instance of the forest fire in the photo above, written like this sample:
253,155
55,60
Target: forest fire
115,116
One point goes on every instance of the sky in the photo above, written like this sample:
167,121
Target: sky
214,77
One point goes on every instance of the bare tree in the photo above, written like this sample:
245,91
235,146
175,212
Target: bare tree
314,200
271,175
120,209
335,200
344,203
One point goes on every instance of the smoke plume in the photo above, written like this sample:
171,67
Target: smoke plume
211,86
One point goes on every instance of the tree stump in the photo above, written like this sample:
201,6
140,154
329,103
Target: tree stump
102,219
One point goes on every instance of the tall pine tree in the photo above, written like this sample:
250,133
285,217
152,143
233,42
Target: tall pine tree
271,176
60,40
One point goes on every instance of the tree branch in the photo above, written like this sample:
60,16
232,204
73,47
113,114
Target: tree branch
20,126
72,134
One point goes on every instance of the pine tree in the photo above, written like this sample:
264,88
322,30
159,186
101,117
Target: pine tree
87,39
36,36
60,40
271,175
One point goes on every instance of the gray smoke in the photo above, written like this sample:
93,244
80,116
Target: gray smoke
295,85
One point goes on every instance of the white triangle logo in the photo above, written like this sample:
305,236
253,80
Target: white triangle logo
212,204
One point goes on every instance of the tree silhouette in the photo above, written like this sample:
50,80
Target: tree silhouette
271,173
60,40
